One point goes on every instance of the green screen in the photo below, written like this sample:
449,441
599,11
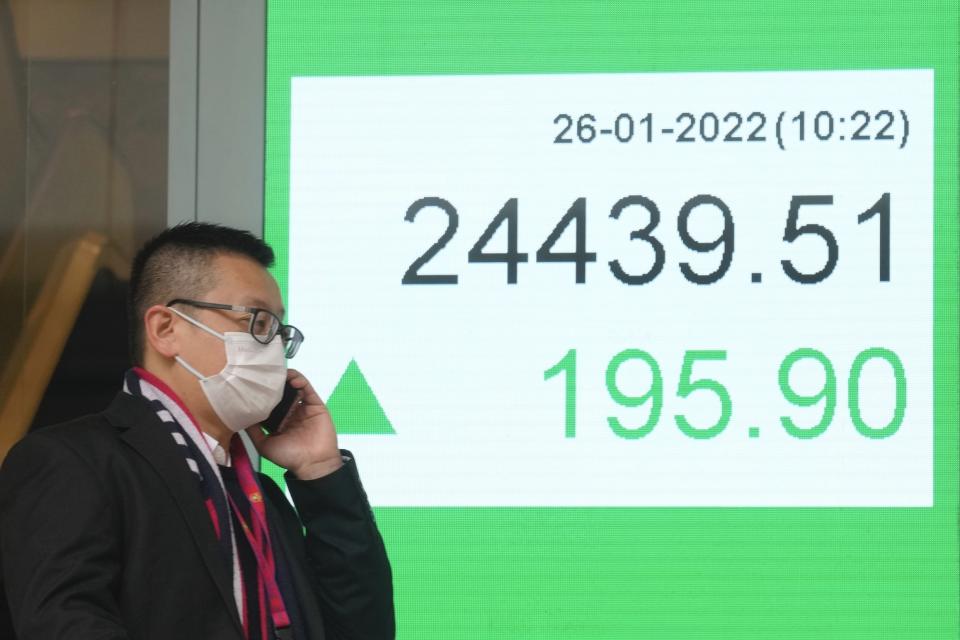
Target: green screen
522,561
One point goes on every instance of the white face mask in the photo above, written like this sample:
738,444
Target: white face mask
251,383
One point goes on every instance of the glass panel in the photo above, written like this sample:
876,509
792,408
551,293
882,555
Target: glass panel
83,182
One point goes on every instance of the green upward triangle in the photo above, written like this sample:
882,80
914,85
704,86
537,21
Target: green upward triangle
354,407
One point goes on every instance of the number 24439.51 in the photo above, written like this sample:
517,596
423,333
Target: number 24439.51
576,217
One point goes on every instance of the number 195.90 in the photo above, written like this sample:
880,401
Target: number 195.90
688,384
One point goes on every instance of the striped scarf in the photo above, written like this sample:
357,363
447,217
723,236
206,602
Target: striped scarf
199,459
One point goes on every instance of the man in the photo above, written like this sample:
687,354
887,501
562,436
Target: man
147,521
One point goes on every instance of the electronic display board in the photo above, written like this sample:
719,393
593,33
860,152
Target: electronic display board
641,318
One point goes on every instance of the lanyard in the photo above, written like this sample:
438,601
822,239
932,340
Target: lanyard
258,535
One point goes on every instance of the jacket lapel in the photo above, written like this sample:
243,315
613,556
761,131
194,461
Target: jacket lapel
143,431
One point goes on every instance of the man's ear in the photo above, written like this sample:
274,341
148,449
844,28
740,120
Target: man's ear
159,334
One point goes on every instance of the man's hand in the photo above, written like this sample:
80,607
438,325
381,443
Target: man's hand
306,442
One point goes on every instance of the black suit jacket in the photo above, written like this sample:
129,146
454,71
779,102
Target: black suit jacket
104,535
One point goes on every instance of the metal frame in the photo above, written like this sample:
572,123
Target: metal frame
217,104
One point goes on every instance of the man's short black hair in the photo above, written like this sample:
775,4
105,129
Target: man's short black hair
177,263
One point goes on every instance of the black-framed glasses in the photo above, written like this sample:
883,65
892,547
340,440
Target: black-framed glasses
264,324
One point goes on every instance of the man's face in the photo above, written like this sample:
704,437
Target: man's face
239,281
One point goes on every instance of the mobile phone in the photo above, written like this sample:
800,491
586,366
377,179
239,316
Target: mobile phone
279,413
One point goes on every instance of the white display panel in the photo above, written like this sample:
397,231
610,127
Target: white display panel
459,369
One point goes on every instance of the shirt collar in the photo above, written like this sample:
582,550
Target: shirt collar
221,456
